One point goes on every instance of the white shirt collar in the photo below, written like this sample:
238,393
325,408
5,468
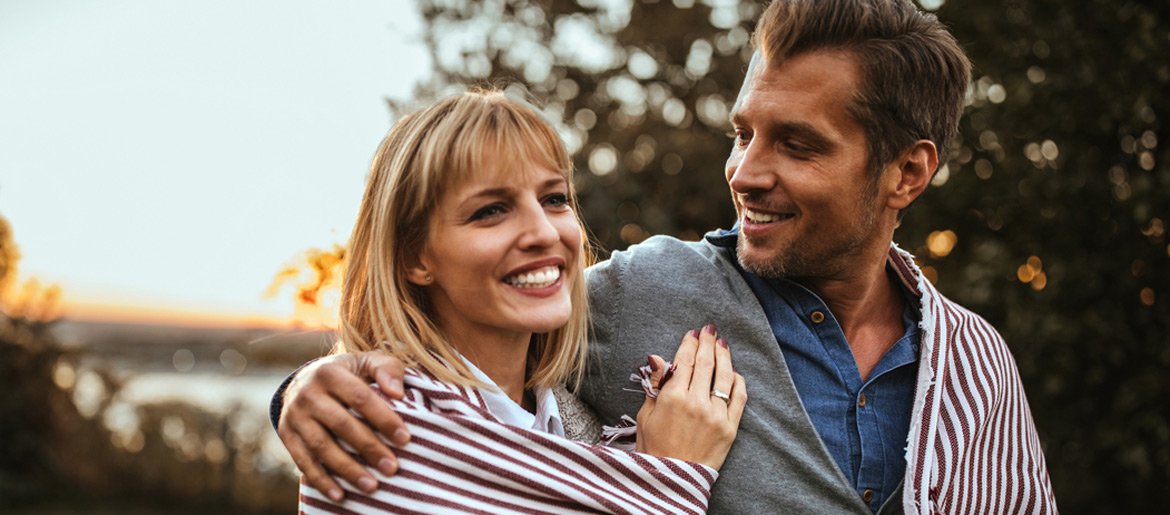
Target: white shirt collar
547,418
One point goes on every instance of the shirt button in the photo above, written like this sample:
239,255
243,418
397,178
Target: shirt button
817,317
861,400
867,496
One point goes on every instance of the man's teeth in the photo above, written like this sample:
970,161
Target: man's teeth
757,217
539,278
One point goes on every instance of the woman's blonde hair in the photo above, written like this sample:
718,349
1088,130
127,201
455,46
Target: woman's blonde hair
421,156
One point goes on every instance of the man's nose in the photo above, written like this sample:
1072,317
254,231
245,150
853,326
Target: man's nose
751,169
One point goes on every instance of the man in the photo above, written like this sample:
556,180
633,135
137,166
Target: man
870,392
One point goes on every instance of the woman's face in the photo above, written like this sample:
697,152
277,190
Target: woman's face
502,251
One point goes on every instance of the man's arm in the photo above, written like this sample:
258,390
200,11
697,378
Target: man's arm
312,409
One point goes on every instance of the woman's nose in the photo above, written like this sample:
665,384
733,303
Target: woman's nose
539,230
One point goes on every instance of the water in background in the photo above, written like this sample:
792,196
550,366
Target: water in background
160,416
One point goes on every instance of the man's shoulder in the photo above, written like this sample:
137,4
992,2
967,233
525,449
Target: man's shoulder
961,322
938,312
666,252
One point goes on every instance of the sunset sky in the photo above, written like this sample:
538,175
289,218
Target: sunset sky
163,159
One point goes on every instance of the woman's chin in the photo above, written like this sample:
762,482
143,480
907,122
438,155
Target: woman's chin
546,323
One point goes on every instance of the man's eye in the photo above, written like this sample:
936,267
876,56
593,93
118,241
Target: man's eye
797,147
487,212
740,136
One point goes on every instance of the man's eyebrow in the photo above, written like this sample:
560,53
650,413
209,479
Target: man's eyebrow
789,127
736,118
802,129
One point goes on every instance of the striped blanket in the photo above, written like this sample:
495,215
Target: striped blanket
461,459
973,446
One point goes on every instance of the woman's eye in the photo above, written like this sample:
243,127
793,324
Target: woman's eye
487,212
557,200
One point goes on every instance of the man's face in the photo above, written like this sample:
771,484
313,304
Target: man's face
807,204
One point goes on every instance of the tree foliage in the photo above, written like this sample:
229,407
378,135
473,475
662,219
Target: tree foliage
1049,220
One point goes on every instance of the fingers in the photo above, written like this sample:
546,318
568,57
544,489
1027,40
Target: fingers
657,369
317,416
738,400
315,421
337,460
386,370
314,474
724,379
704,368
355,393
684,362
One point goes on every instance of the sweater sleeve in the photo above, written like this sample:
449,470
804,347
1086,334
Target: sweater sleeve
461,460
276,405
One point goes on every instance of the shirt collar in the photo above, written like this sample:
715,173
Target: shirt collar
724,238
547,418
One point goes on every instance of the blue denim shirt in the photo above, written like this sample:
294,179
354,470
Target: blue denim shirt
863,424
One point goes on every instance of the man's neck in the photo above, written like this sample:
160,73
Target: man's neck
869,307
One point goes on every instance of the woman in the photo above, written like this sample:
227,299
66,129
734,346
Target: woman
469,255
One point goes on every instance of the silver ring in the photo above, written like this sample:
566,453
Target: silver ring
719,394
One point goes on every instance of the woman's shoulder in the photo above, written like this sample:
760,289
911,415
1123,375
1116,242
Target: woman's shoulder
425,391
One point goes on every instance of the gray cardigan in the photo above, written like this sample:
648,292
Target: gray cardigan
643,300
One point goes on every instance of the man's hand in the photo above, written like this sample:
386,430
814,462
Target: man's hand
315,411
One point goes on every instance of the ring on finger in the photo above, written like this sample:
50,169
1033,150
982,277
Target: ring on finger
721,395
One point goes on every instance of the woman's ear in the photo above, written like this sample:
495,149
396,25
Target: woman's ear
418,273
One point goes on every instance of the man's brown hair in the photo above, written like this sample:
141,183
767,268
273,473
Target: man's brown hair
914,73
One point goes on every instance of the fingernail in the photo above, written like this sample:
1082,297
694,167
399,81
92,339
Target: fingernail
395,386
653,365
401,436
693,333
709,329
334,494
368,484
386,466
722,343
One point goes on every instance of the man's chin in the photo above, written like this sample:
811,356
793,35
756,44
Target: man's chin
760,261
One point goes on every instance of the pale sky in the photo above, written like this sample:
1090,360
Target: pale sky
175,154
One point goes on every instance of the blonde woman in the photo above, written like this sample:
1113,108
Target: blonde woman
468,254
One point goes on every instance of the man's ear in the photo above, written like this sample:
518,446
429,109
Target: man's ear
910,173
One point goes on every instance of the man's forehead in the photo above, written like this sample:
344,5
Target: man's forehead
754,67
831,71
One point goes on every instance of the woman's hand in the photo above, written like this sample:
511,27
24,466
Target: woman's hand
691,419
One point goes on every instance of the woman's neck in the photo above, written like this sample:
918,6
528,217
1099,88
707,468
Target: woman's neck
502,357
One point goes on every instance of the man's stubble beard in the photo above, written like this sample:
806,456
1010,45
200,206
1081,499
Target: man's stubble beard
798,260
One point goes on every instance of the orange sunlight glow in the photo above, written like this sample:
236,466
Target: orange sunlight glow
131,312
316,276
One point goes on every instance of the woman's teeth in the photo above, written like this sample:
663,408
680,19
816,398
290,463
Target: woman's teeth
757,217
539,278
